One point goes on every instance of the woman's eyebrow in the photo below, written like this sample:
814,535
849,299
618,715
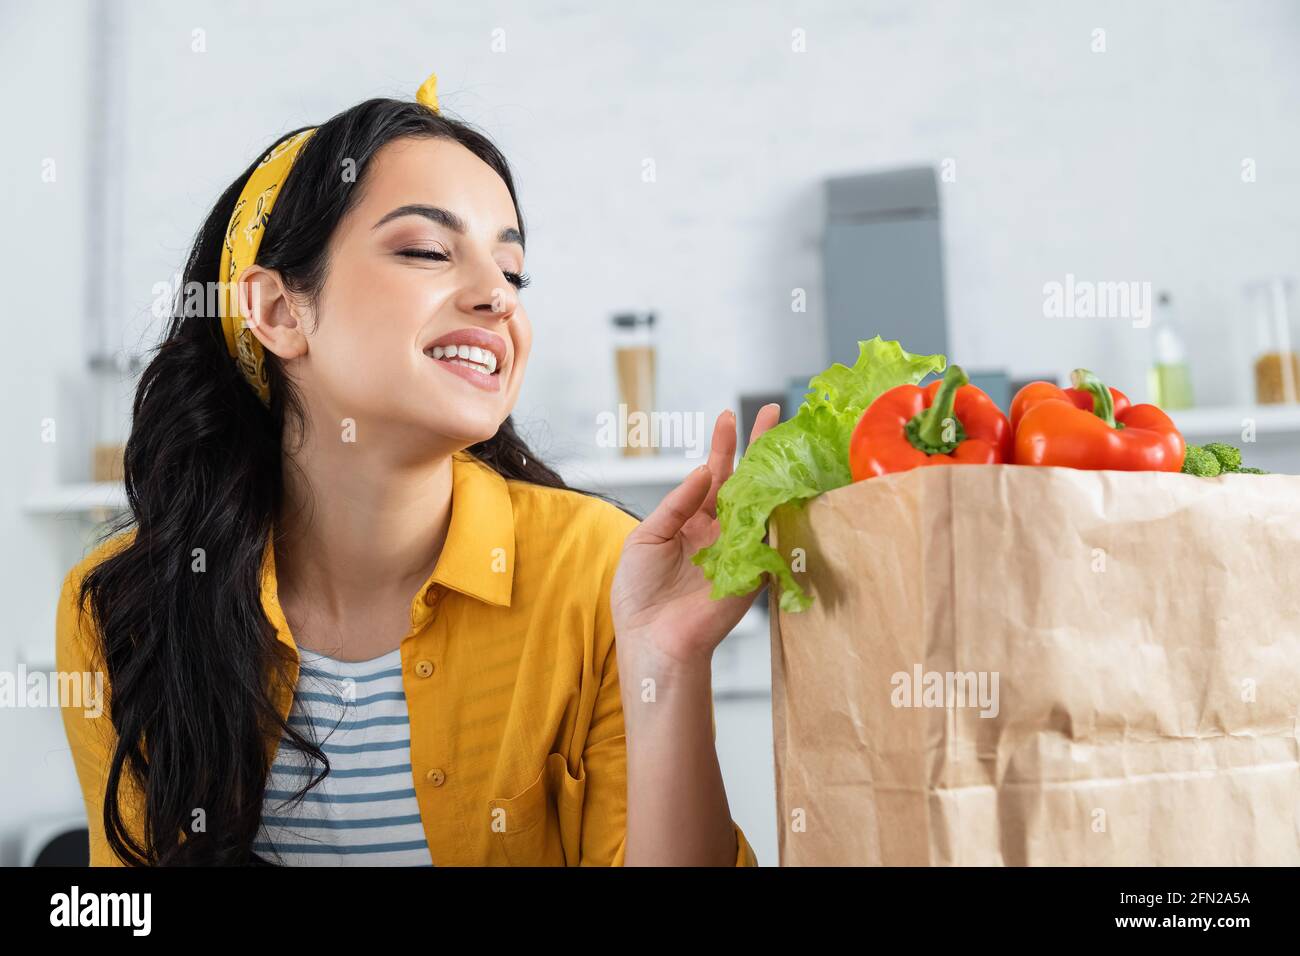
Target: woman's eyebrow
445,217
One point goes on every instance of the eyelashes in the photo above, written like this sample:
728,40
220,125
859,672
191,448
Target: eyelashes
519,280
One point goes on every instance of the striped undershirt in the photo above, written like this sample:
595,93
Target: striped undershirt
364,813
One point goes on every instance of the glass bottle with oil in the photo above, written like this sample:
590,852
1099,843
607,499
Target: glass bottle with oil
1169,381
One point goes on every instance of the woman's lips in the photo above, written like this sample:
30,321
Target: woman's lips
489,383
474,339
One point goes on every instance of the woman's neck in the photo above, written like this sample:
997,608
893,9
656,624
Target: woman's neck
356,531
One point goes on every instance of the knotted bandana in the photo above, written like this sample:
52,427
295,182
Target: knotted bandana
244,234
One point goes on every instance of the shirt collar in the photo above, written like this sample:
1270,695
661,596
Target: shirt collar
477,559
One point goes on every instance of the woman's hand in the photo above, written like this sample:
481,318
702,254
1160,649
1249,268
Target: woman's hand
660,600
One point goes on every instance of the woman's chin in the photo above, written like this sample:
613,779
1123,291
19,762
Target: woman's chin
467,430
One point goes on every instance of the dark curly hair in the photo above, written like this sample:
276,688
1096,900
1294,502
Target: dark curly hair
186,654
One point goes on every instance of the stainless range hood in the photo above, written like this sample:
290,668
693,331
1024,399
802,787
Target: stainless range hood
883,262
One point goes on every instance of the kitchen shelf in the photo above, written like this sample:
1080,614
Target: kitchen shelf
86,497
664,471
1197,424
80,498
652,470
742,664
657,471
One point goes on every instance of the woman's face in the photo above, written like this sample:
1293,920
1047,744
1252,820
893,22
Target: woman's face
419,322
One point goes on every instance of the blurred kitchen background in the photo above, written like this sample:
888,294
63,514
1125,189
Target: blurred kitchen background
721,200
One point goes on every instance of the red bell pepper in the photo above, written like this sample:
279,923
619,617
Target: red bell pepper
1055,429
948,422
1035,392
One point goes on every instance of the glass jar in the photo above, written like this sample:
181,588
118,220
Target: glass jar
114,379
634,360
1276,361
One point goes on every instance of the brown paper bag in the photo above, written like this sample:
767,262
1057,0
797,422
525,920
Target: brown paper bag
1040,666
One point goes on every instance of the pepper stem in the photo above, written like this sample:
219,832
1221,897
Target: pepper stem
1103,403
937,431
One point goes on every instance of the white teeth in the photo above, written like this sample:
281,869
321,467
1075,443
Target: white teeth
468,364
481,360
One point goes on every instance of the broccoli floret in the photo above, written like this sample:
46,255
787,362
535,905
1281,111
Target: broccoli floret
1200,462
1229,457
1251,471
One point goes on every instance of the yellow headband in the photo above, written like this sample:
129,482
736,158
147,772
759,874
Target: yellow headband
244,235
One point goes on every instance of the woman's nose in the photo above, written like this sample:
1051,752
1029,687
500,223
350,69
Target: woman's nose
486,290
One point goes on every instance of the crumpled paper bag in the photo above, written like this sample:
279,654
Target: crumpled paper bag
1007,665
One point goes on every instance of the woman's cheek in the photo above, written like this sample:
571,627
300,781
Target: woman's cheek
522,341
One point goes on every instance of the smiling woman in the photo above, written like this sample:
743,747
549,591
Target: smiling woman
377,629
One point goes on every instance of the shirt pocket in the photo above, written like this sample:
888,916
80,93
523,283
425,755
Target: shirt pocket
542,824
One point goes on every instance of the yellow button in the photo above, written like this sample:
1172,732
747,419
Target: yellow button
431,597
423,668
435,777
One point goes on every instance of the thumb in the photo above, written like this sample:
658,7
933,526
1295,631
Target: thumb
678,507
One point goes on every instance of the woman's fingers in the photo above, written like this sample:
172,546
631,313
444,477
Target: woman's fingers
721,456
680,505
694,494
767,416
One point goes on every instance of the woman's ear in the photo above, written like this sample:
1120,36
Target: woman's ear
271,312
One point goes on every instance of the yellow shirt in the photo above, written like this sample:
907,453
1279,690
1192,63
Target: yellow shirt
518,750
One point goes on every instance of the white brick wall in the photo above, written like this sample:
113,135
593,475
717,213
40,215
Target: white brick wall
1116,165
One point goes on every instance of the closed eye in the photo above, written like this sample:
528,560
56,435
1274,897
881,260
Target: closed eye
519,280
424,254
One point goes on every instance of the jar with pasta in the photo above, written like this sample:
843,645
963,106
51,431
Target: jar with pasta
1277,352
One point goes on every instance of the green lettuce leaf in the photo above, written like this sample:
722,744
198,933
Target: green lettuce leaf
798,460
